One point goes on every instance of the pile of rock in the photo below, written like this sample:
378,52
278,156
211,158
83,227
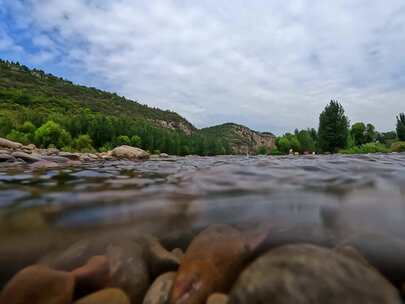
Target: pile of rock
219,266
13,152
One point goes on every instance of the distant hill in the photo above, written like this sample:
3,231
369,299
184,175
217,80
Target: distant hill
241,139
31,95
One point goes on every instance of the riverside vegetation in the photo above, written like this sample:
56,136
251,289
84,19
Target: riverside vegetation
41,109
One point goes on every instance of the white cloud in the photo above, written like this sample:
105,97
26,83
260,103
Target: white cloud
272,65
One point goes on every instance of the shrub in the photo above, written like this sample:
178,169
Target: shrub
366,148
398,146
83,143
53,134
18,136
262,150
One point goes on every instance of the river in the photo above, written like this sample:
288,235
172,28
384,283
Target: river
320,199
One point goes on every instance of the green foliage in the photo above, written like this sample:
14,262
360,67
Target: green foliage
135,141
401,126
387,138
83,143
371,134
18,136
122,140
366,148
333,128
52,133
263,150
306,141
398,146
358,133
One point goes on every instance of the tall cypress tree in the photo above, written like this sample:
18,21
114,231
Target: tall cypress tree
401,126
333,128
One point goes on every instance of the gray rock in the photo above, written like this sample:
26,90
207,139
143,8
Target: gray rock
164,155
133,260
159,292
71,156
128,152
5,143
56,159
307,274
26,157
6,157
44,164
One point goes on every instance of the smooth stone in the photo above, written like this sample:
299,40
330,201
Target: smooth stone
352,253
56,159
133,260
211,264
52,151
106,296
39,285
26,157
159,292
5,143
94,275
178,253
31,147
44,164
384,252
128,152
164,155
71,156
308,274
6,157
218,298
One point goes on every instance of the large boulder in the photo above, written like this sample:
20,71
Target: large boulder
5,143
307,274
128,152
39,285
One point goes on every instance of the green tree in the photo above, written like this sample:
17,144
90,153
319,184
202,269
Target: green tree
135,141
52,133
358,132
122,140
371,134
333,128
283,144
83,143
401,126
307,143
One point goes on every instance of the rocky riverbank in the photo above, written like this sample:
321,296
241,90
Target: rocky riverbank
13,152
222,264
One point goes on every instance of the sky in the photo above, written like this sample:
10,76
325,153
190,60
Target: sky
272,65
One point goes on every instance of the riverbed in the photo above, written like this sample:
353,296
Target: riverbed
317,199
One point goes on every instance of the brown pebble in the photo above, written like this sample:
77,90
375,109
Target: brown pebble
39,285
218,298
159,292
94,275
105,296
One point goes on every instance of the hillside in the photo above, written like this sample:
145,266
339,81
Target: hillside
36,107
241,139
38,83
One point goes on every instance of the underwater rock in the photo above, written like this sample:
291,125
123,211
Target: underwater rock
105,296
133,260
39,285
307,274
388,256
159,292
211,264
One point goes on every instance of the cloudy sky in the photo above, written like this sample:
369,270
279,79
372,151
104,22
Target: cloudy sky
269,64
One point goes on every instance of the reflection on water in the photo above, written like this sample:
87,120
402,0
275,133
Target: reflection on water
325,197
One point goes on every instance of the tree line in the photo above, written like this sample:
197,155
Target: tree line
335,134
